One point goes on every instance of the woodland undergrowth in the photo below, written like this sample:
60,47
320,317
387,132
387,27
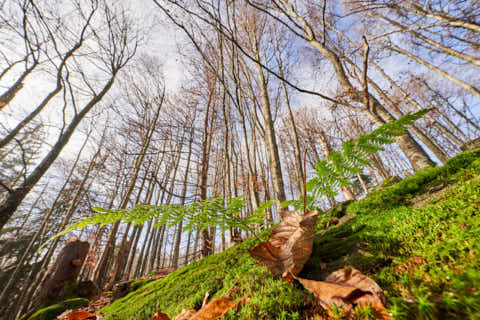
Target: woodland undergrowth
426,258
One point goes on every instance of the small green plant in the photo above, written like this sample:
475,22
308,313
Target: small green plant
364,313
341,166
337,312
214,212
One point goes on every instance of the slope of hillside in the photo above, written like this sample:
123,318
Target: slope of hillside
419,239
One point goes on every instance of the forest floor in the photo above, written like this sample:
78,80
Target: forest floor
419,239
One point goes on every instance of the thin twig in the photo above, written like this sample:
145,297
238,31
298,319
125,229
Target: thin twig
305,182
23,159
5,187
365,80
323,21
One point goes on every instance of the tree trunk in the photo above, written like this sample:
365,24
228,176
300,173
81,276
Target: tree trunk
178,239
270,139
206,241
63,273
296,143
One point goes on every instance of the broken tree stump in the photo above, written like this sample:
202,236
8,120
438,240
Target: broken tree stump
63,273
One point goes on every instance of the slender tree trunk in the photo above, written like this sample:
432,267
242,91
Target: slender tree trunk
126,245
178,239
270,139
207,248
293,128
141,259
138,229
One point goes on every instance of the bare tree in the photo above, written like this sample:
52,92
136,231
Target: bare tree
116,50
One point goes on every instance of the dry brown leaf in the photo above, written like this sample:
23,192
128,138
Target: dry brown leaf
185,315
290,244
376,304
348,288
356,279
160,316
328,294
215,309
81,315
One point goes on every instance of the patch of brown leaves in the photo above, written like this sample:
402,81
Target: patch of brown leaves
81,315
93,307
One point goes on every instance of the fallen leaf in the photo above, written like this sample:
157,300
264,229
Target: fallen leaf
328,294
215,309
290,244
348,288
185,315
356,279
160,316
81,315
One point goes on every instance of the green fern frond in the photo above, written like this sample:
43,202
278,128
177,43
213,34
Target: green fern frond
343,165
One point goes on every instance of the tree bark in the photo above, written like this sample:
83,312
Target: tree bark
64,272
270,138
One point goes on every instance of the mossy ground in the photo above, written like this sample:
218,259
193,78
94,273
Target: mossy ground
233,269
51,312
384,235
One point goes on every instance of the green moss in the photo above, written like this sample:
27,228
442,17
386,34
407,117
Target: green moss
384,233
135,285
75,303
48,313
217,274
401,193
339,209
51,312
